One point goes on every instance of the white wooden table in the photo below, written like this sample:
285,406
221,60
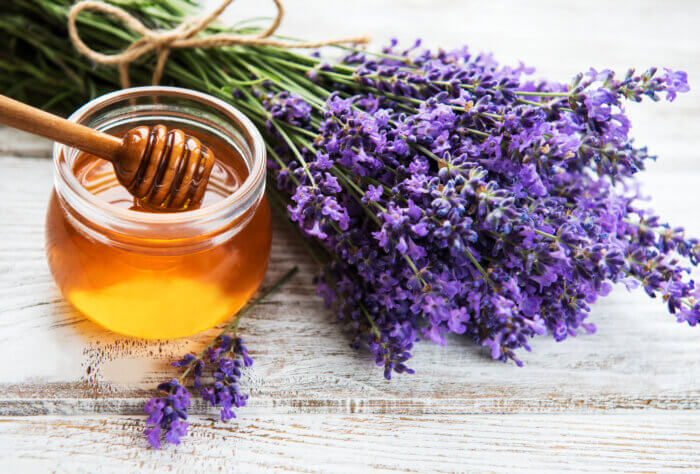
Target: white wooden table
626,398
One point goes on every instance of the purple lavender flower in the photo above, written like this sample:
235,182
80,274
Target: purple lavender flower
167,414
289,108
455,196
226,356
676,81
224,359
224,392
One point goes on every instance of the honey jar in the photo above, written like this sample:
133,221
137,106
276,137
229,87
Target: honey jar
142,272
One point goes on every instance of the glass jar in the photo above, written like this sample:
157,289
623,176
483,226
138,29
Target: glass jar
152,274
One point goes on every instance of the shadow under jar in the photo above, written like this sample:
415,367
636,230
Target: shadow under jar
152,274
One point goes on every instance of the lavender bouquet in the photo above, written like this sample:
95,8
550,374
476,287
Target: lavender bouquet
440,191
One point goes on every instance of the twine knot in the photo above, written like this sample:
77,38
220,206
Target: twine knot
181,37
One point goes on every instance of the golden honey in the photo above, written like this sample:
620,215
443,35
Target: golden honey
146,273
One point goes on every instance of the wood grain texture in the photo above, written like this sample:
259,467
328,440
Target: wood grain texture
632,442
625,398
639,357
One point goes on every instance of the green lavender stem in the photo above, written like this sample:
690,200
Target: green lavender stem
233,325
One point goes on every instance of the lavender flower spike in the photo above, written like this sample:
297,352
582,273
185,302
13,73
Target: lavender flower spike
223,358
224,391
167,414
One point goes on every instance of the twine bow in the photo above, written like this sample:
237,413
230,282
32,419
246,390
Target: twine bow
182,37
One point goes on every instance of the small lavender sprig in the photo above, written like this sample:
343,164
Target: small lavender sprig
168,413
226,355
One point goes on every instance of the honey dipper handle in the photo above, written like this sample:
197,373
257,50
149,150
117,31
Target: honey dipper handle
30,119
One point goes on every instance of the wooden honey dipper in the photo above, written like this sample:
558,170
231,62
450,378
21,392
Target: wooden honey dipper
162,167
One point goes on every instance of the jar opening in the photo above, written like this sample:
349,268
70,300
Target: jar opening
181,108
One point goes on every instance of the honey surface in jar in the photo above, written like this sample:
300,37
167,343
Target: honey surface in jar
149,295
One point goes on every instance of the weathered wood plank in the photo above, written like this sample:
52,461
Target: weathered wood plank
640,356
632,441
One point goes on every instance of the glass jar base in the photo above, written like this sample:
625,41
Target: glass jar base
120,310
157,297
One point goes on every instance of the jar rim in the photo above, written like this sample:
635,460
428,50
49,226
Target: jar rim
256,172
88,204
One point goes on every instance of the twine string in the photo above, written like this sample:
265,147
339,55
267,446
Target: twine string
184,36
